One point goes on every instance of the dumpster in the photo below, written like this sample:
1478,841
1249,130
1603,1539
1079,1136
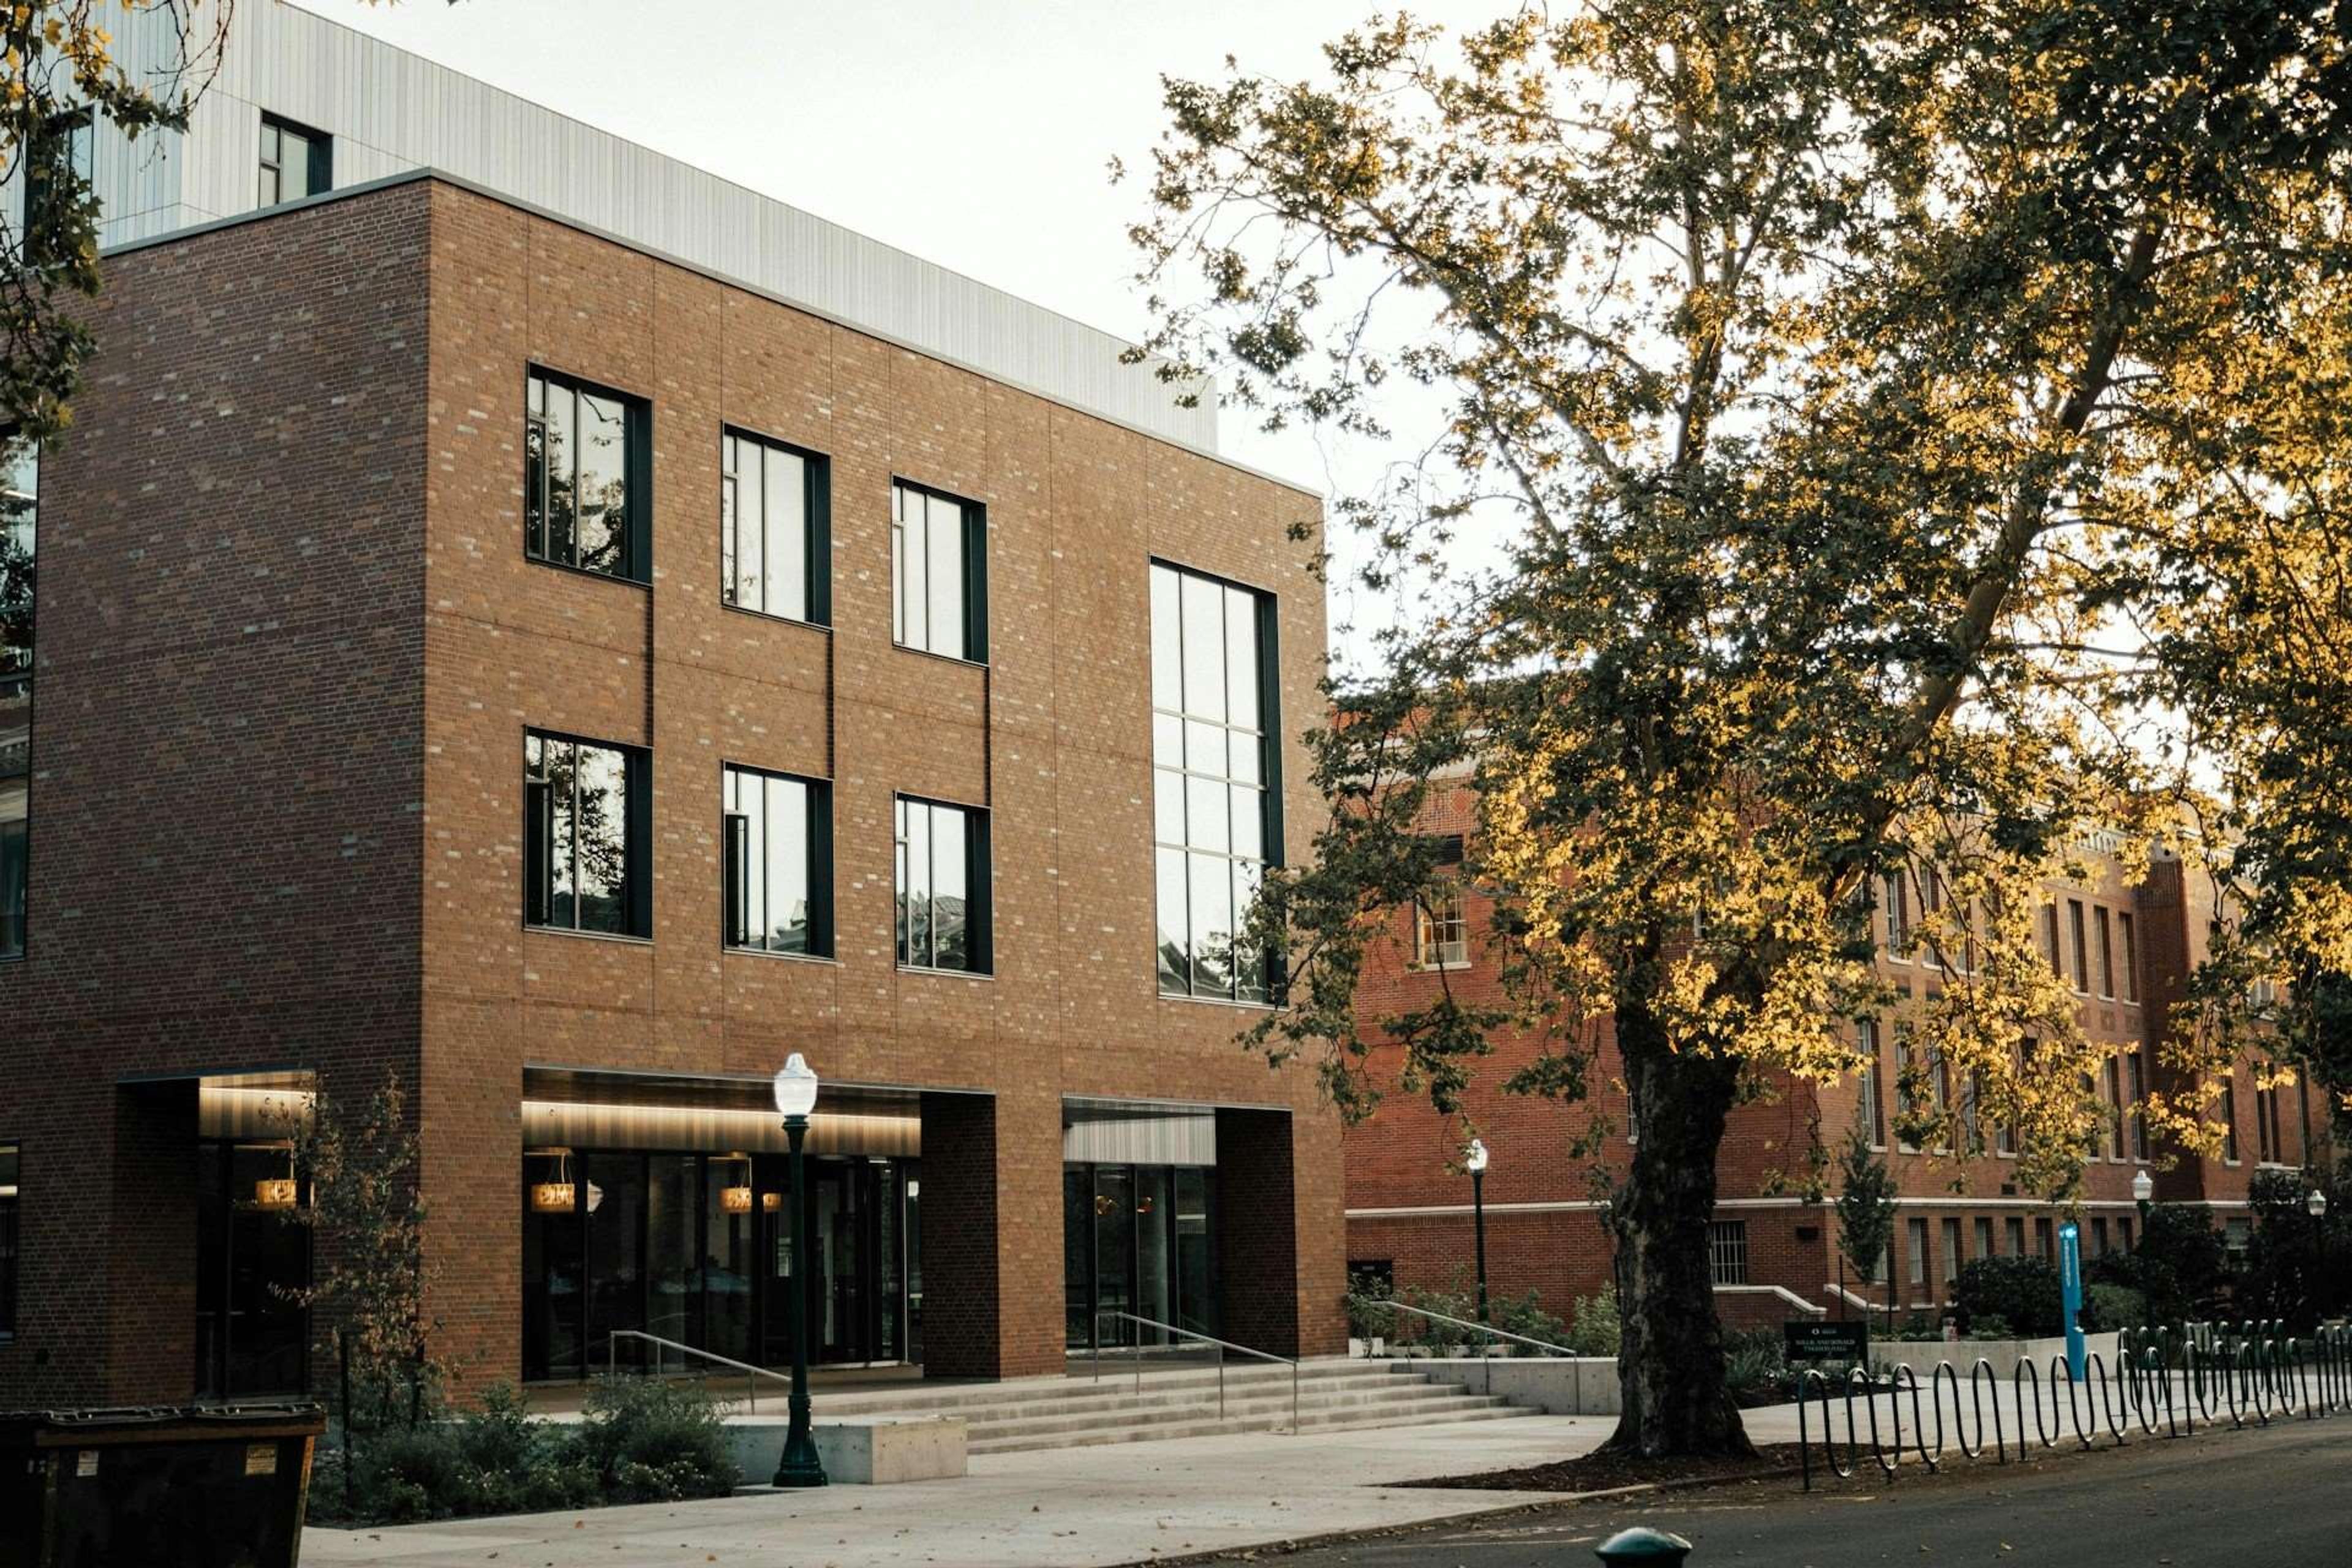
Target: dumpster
186,1487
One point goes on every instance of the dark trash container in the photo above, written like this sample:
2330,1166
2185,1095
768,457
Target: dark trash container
187,1486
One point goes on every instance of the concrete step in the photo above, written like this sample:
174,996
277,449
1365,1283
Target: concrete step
1321,1421
1405,1403
1076,1393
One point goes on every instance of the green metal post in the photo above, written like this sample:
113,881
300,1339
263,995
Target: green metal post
800,1466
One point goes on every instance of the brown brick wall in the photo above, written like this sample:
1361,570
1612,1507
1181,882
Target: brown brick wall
294,549
227,751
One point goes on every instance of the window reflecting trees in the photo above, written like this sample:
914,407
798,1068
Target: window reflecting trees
1214,821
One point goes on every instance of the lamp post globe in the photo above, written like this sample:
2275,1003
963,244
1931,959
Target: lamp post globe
2143,1193
795,1089
1474,1160
2315,1206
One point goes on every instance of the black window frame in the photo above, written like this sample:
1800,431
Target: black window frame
15,912
636,457
636,844
1267,641
816,477
979,922
975,571
33,231
322,165
734,882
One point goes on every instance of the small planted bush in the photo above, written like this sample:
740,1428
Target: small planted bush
639,1441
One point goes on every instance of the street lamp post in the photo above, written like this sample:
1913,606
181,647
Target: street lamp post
1474,1160
796,1098
2315,1203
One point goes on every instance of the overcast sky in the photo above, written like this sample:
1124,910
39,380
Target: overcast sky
976,134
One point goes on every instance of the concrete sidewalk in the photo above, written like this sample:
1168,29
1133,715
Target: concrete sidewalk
1058,1509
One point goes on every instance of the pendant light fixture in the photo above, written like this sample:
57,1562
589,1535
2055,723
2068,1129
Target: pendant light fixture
556,1197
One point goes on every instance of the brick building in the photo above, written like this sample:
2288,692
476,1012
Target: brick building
2125,949
525,663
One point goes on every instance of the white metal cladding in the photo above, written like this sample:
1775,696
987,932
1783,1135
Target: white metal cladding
1123,1132
389,111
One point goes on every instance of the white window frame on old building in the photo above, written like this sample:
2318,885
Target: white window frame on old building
1870,1103
1727,1251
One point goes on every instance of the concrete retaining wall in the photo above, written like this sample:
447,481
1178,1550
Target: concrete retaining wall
1557,1386
875,1451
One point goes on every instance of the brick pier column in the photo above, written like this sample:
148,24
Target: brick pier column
992,1219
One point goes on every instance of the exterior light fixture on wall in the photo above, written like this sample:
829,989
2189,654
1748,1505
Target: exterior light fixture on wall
556,1197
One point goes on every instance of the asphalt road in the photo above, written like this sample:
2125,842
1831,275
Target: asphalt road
2278,1497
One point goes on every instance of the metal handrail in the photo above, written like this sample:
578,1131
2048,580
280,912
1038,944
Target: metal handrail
1486,1345
751,1388
1223,1346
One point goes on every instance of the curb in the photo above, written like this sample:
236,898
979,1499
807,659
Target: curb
1541,1503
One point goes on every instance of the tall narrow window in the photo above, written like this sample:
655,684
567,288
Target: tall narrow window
2081,952
2130,958
8,1164
1894,902
1915,1235
19,510
294,160
57,175
1951,1250
2229,1121
943,887
2013,1235
2139,1074
1216,811
774,537
1871,1107
2107,954
586,833
778,872
938,573
1984,1236
585,477
2115,1110
2046,1245
2050,939
1441,929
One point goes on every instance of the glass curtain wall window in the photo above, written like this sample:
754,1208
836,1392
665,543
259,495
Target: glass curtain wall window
19,509
584,478
779,869
294,162
938,573
1217,812
774,535
944,884
58,168
585,834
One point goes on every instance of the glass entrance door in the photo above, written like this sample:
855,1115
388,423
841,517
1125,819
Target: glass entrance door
1137,1239
856,1277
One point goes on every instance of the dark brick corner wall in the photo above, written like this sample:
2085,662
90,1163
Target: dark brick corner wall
962,1305
1257,1229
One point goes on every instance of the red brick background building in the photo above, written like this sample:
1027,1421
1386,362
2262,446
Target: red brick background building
1776,1257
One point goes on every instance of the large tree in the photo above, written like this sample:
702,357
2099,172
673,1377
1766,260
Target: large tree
1909,433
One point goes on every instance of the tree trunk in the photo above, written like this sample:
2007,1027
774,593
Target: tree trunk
1669,1367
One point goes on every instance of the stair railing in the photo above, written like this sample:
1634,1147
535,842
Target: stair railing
1223,1346
1487,1338
751,1374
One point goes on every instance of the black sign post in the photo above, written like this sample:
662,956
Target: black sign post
1822,1338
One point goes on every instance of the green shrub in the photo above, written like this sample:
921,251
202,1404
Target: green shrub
2021,1291
1595,1328
1527,1318
1372,1310
649,1440
1992,1326
1756,1367
2107,1307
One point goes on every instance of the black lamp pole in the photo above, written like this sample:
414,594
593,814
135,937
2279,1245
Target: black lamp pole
800,1466
1478,1223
